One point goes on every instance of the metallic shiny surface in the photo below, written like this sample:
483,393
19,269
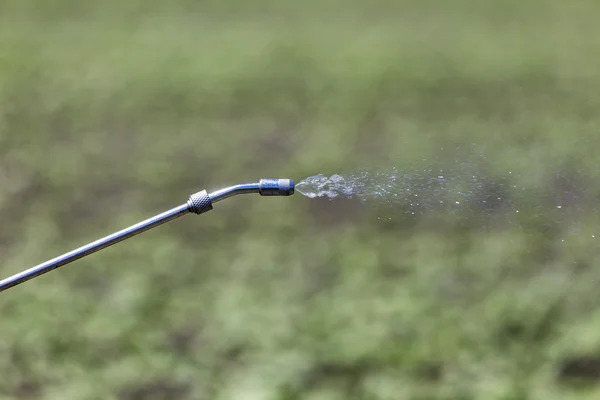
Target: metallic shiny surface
243,188
198,203
276,187
93,247
265,187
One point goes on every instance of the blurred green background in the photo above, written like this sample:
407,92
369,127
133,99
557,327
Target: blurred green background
113,111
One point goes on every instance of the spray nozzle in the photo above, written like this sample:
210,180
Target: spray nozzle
276,187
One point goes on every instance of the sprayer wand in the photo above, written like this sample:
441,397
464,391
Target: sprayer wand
197,203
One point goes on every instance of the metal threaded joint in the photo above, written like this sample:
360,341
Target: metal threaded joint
200,202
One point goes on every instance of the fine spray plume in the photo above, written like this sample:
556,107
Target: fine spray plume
198,203
464,189
414,191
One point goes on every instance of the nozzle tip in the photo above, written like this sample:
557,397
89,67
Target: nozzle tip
276,187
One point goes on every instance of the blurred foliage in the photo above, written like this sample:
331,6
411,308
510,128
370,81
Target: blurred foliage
112,111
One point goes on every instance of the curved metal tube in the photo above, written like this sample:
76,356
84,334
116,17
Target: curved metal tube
265,187
198,203
243,188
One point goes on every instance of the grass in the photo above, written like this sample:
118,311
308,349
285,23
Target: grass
114,111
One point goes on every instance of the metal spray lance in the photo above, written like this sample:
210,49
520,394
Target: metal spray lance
197,203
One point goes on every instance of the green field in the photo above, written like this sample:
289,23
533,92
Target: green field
113,111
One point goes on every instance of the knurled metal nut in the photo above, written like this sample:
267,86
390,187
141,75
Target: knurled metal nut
200,202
